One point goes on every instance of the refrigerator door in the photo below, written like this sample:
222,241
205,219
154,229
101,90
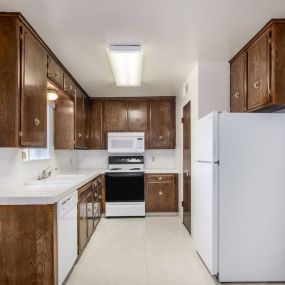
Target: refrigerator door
251,197
204,213
205,144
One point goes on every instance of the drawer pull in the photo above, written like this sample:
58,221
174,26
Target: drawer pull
57,74
37,122
160,137
160,193
256,84
79,135
70,87
100,197
87,137
237,95
159,178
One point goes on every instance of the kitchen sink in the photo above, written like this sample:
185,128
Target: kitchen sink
58,179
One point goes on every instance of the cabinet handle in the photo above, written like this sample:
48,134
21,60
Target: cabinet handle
236,95
159,178
87,137
160,193
256,84
160,137
79,135
100,197
70,87
57,74
37,122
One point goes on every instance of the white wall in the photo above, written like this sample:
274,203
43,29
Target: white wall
208,90
14,171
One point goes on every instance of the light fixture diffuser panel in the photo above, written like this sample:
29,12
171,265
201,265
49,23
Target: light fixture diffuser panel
126,63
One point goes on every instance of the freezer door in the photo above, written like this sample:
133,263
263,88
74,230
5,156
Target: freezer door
251,197
204,213
205,144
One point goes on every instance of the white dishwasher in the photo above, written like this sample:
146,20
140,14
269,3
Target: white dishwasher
66,234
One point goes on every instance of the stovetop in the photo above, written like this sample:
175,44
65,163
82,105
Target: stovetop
126,164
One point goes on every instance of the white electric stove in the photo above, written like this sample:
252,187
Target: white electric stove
125,187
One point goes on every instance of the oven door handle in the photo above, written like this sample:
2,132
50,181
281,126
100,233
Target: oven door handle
124,174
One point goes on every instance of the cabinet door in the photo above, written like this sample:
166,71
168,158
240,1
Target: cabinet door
64,123
90,214
114,116
162,125
79,120
34,94
82,223
138,116
96,125
238,84
86,122
55,72
69,86
160,197
259,62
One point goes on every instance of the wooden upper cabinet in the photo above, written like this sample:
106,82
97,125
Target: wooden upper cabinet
64,123
55,72
34,94
259,70
264,69
137,116
96,125
238,84
9,82
115,116
162,124
79,120
69,86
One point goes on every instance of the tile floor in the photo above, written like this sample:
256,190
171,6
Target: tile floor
150,251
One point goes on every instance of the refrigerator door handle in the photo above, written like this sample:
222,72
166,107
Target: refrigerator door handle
206,161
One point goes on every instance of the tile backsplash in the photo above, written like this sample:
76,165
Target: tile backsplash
14,171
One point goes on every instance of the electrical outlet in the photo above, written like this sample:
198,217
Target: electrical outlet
153,159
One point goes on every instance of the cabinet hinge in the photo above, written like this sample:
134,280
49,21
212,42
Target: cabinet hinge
182,120
182,203
20,134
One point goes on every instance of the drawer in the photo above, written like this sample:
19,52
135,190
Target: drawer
55,73
160,177
84,190
69,86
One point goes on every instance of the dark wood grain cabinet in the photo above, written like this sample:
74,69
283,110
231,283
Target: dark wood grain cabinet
28,244
96,125
64,123
88,210
238,84
114,116
161,193
34,95
155,116
162,124
257,71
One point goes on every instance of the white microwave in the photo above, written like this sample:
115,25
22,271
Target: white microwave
125,142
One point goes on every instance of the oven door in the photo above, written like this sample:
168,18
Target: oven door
124,186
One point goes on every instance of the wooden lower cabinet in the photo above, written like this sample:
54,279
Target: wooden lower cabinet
89,211
161,193
28,244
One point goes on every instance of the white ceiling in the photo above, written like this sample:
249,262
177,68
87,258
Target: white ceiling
174,34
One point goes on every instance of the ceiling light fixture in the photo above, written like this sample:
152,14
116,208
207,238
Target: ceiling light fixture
52,95
126,63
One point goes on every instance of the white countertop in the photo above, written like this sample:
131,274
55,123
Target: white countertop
48,191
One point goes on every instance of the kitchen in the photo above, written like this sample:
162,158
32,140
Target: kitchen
73,132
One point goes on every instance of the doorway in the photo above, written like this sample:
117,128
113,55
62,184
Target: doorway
187,166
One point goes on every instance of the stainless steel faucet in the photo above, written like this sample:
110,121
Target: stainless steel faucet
46,173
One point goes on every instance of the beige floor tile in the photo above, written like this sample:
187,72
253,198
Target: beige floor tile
149,251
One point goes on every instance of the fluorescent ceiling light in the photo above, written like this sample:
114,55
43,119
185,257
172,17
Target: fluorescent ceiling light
126,63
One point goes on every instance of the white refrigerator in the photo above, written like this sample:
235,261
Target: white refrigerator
238,195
